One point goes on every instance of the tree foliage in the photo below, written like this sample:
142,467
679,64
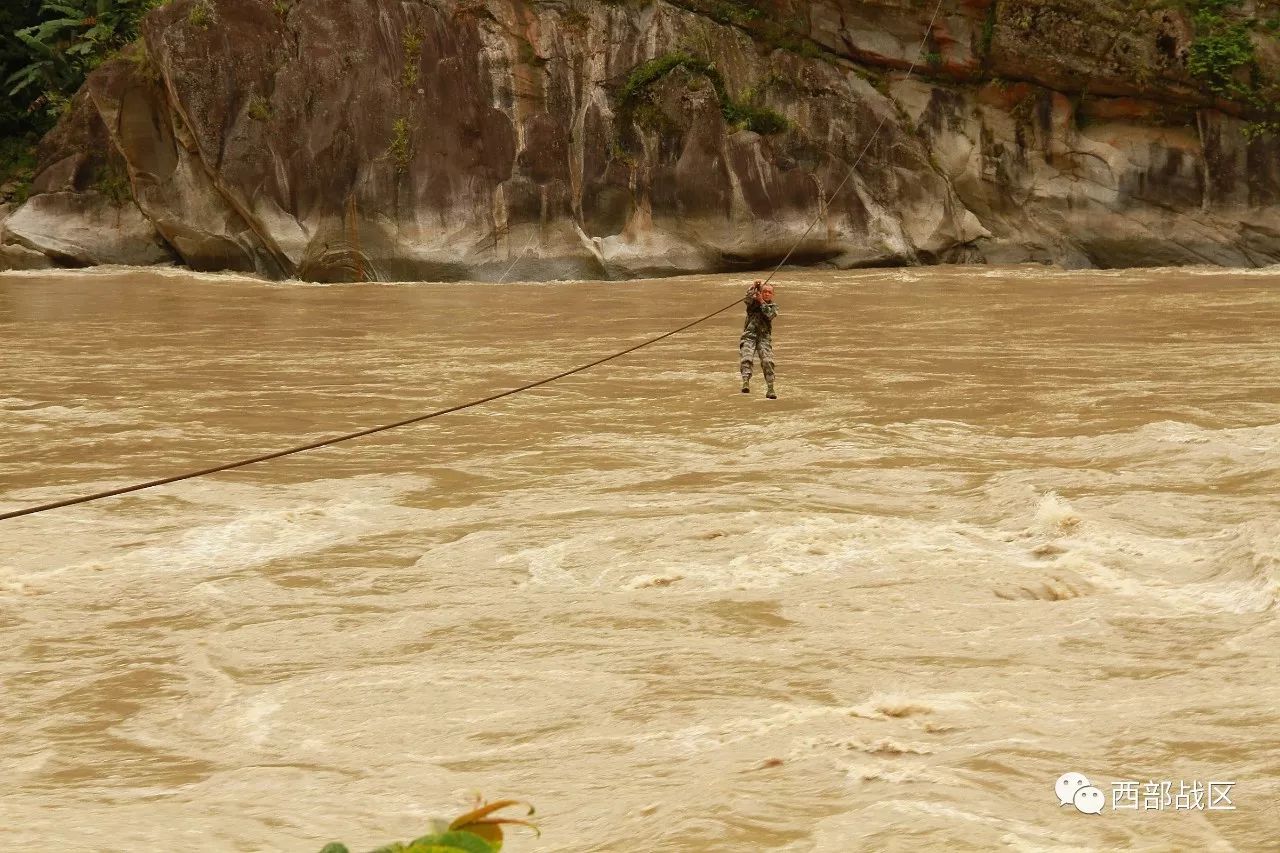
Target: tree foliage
68,40
15,15
47,48
1221,47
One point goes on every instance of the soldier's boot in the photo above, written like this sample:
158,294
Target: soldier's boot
746,386
769,393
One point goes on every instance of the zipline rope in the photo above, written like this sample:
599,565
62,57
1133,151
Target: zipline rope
328,441
529,386
519,257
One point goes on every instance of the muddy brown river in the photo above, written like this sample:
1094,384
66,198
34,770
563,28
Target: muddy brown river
1001,525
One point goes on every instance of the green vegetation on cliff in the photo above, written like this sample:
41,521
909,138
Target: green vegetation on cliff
65,40
760,20
1224,56
18,132
47,48
1221,48
739,113
17,166
14,55
401,147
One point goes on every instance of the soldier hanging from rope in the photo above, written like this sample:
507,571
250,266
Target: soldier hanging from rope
757,336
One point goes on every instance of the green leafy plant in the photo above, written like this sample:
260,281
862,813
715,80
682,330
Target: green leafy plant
259,108
401,148
411,41
114,184
735,12
1221,53
477,831
73,38
47,47
760,21
56,104
988,30
1216,56
738,113
758,119
17,168
1220,48
14,55
200,15
143,65
931,51
620,154
1255,129
1212,7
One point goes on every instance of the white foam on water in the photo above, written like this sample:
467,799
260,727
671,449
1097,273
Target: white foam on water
1236,569
650,581
41,417
1055,515
260,536
254,524
744,550
257,718
573,625
545,565
749,550
704,738
135,275
899,705
1256,596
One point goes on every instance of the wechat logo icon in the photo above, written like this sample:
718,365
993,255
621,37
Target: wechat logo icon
1073,789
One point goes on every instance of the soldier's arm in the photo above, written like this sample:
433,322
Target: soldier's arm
770,310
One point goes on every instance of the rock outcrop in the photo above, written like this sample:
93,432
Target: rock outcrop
16,257
503,139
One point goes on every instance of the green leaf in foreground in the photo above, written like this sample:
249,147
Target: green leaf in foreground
477,831
454,841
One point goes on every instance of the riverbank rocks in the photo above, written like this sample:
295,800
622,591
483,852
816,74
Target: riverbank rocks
85,229
15,257
502,139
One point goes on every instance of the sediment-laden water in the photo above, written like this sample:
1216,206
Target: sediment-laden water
1002,524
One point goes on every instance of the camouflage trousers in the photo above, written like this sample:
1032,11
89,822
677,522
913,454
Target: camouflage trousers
752,346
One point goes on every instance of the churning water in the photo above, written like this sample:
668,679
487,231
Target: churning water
1002,524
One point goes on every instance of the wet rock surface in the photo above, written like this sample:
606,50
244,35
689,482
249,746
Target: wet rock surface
494,139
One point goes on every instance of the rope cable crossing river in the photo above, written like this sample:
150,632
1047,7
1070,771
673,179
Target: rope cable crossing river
241,463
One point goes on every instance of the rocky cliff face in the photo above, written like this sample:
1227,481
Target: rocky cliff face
488,139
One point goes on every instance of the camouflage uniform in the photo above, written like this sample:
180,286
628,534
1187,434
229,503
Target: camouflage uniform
757,337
